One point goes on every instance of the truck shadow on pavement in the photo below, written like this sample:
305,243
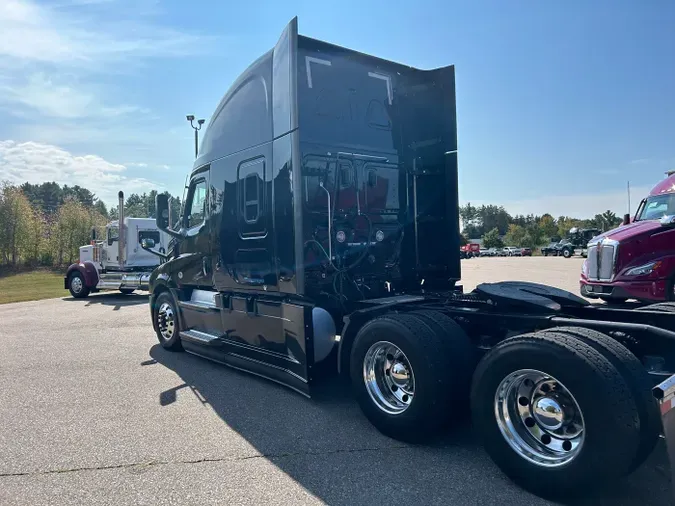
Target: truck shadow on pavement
327,446
114,299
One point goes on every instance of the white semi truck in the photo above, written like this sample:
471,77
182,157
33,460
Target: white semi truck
122,260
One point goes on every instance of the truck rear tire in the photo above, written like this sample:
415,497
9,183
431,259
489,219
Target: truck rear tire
76,285
460,350
637,379
403,377
167,322
554,414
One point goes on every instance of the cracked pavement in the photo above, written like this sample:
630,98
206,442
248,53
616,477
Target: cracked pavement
93,411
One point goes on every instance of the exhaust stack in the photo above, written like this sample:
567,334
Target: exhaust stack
121,242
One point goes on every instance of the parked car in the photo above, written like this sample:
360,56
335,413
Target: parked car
551,249
526,252
483,252
512,251
493,252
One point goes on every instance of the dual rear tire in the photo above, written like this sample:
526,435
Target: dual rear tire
411,373
559,411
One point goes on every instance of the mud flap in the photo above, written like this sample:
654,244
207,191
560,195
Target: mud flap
665,395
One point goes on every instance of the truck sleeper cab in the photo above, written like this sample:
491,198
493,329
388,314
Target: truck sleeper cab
321,230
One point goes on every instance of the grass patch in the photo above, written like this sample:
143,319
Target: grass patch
33,285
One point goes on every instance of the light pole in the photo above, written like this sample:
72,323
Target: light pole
200,122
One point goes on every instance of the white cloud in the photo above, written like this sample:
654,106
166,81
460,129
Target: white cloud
36,163
52,57
582,205
32,32
52,99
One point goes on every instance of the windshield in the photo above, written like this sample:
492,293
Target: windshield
657,207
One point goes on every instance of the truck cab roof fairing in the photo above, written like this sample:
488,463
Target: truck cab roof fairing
258,107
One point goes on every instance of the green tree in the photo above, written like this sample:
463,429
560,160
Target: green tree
72,229
101,208
548,226
494,217
565,223
610,220
515,235
18,226
492,239
468,214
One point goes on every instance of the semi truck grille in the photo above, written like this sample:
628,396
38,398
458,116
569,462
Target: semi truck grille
601,262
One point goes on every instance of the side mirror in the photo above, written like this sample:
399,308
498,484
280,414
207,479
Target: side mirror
667,220
162,206
162,219
626,219
147,244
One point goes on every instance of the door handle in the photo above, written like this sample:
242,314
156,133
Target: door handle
205,266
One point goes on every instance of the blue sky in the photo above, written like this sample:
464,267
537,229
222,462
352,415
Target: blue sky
559,103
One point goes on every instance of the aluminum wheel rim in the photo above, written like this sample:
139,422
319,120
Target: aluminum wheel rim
539,418
76,284
388,377
165,321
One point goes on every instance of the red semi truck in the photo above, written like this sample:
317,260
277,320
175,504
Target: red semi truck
637,259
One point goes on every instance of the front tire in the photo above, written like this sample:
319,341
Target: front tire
76,285
567,253
404,379
554,414
166,322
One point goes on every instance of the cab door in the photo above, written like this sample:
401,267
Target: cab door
195,247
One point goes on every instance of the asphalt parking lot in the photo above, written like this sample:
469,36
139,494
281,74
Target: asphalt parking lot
93,411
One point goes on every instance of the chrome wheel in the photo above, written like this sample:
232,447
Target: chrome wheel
539,418
76,284
388,377
165,321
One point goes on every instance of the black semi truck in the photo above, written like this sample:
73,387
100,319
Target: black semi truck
321,230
